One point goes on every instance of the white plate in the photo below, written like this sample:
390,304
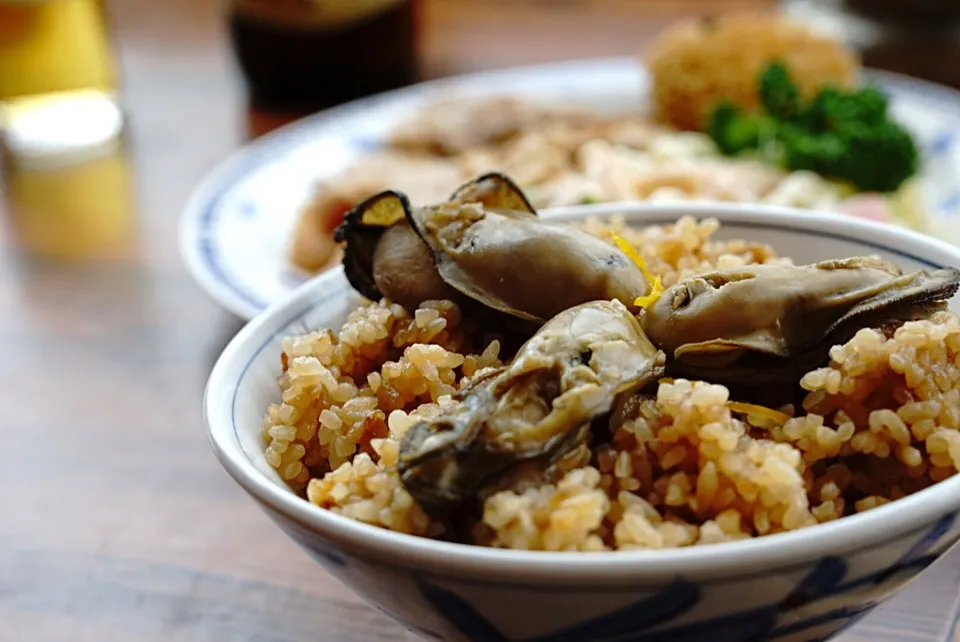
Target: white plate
236,228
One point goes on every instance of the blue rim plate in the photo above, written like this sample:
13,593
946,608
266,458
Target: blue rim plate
236,228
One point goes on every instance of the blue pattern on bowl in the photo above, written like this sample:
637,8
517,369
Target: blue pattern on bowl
634,622
822,602
941,143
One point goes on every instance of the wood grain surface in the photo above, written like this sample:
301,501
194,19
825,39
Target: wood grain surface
116,521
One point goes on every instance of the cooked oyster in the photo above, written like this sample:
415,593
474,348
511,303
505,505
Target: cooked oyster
536,410
485,245
768,324
384,256
494,191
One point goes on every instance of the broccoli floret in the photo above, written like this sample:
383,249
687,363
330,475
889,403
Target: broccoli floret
841,134
778,93
878,158
733,130
874,158
832,108
820,153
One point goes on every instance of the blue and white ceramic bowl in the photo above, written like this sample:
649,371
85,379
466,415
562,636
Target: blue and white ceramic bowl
798,586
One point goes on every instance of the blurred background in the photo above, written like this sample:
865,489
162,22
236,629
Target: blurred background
91,89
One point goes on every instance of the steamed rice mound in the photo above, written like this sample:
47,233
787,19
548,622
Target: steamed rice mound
695,63
685,467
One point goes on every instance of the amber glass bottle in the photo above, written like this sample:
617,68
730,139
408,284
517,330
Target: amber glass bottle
306,55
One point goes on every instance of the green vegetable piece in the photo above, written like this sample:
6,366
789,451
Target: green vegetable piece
842,134
834,108
732,130
778,93
820,153
878,158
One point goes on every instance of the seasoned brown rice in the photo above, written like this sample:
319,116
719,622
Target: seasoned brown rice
879,421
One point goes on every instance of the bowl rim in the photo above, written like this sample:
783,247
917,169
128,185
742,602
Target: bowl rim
504,566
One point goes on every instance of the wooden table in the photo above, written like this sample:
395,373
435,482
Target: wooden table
116,521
